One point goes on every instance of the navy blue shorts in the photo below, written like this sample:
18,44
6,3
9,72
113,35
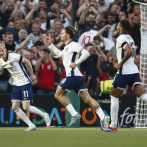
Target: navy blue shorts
22,93
121,81
75,83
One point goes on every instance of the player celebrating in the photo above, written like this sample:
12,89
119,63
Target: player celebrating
74,79
22,88
127,74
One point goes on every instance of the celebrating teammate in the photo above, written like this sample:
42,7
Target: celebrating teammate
22,88
74,79
127,74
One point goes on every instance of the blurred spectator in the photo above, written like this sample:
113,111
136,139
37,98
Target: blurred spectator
102,5
89,65
46,68
10,46
137,61
10,24
6,10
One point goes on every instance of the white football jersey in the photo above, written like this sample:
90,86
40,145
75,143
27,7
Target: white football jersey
70,54
15,67
129,66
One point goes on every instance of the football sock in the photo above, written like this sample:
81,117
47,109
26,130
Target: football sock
114,111
35,110
23,117
71,110
100,113
144,97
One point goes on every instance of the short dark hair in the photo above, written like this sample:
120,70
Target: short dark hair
38,43
70,30
125,25
97,38
88,44
46,51
10,21
112,71
90,13
8,33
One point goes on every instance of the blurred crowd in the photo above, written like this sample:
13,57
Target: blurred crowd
25,23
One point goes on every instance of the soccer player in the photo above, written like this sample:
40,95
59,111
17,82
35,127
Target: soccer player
22,88
127,74
74,79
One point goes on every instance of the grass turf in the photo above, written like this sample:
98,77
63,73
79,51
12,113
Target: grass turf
72,137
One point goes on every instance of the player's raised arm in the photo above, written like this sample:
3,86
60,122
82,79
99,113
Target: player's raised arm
27,62
55,50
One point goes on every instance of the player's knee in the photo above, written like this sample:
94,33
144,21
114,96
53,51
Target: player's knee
15,107
26,108
56,96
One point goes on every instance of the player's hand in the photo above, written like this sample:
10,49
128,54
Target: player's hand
117,66
73,65
48,40
33,77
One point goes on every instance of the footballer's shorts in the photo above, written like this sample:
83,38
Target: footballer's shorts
121,81
75,83
22,93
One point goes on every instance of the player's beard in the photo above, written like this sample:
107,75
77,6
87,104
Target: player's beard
64,39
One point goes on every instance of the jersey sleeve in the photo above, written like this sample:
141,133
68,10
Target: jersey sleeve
77,47
123,41
18,58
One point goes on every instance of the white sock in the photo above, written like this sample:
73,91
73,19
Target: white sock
114,111
35,110
100,113
144,97
71,110
23,117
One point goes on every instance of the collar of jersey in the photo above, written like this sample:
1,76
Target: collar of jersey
7,57
68,42
124,34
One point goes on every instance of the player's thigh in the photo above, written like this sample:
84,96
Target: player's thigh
138,90
116,92
26,105
15,105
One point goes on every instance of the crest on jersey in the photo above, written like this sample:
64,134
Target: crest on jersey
49,67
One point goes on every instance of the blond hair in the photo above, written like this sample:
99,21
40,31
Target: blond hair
2,45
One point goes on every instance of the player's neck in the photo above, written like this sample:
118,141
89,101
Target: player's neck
122,32
5,57
66,42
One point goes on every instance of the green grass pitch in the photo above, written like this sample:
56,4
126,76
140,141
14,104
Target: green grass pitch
72,137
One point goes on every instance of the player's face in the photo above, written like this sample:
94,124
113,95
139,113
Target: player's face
2,53
63,36
118,28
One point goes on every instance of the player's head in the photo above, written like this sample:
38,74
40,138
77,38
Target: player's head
67,33
123,26
2,50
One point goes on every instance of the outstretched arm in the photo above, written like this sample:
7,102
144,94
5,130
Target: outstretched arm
3,9
55,50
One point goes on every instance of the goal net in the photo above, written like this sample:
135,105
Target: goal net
141,107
